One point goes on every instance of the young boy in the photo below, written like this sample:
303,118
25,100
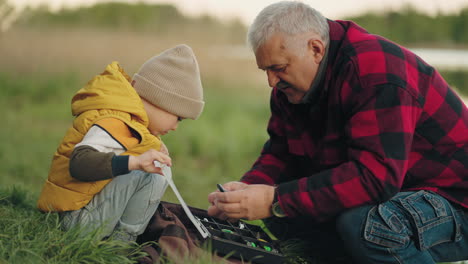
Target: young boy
103,172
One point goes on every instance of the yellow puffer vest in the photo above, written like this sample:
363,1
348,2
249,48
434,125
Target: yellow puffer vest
109,94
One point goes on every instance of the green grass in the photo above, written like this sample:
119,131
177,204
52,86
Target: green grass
217,148
29,236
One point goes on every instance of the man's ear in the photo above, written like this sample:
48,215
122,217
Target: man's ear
318,48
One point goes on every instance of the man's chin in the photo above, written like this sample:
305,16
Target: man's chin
293,96
294,99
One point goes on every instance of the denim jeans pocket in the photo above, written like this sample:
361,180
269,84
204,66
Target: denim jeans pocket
384,228
433,219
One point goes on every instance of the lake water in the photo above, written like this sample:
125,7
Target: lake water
442,59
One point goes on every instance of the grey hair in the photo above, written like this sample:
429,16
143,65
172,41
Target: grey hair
289,17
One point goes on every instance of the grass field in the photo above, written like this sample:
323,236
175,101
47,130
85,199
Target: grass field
36,84
217,148
39,80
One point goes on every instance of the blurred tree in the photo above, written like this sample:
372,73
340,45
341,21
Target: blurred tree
406,26
8,15
460,29
163,19
137,17
409,26
236,29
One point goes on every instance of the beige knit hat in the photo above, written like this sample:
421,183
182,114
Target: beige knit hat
171,81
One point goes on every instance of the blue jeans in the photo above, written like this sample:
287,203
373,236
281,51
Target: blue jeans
411,228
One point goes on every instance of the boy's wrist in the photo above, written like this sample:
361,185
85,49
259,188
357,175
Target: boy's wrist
120,165
131,163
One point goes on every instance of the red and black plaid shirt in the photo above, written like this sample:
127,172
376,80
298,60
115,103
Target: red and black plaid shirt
384,122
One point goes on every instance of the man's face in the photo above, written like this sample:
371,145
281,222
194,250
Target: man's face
291,70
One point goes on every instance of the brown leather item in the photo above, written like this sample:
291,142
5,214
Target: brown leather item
176,237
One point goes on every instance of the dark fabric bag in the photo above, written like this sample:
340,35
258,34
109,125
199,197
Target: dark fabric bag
176,237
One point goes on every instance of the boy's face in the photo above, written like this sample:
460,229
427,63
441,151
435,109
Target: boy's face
160,121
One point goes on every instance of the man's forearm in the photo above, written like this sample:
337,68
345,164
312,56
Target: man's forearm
267,169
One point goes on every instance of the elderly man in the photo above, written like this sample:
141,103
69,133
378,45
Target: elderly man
368,147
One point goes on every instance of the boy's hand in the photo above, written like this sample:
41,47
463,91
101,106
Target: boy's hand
164,149
145,161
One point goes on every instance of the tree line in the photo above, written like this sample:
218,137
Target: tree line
407,26
137,17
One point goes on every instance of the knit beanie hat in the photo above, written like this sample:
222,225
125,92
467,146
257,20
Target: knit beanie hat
171,81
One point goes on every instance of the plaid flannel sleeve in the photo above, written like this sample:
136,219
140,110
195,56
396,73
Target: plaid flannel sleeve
379,129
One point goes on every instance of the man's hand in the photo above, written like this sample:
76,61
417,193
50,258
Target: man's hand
145,161
230,186
240,200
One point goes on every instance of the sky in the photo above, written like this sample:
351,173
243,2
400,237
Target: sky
246,10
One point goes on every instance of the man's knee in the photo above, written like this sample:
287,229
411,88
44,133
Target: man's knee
350,223
407,226
368,233
423,215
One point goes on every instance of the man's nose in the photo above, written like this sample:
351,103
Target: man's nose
272,78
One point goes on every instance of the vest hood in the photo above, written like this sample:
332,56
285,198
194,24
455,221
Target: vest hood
110,90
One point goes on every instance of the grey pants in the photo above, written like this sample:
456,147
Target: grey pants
125,205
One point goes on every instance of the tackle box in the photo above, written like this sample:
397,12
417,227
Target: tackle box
242,241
